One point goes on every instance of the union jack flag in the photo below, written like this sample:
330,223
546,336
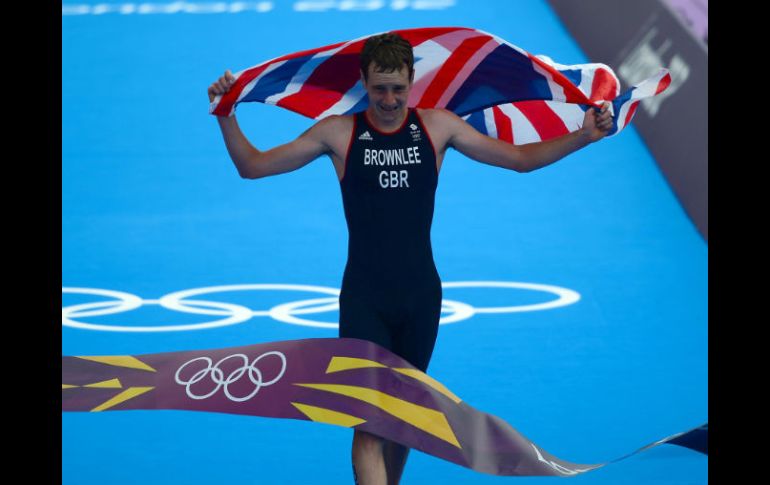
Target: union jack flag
500,89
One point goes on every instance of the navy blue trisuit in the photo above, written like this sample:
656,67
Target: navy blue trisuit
391,292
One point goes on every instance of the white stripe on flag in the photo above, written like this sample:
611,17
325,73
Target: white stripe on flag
350,99
304,73
623,113
431,56
247,89
556,90
503,41
587,73
523,130
570,114
462,75
647,88
489,122
642,90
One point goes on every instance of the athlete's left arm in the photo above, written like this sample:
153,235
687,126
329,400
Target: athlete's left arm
531,156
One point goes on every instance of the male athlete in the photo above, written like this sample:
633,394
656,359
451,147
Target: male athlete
387,160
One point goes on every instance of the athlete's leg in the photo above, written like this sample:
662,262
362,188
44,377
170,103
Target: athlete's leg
395,456
415,343
368,462
417,335
361,320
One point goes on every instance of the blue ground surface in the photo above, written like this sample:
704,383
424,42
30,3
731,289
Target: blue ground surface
152,205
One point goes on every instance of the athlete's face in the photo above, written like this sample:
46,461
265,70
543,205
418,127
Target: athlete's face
388,93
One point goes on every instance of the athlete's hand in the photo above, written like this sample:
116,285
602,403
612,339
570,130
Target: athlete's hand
597,124
221,85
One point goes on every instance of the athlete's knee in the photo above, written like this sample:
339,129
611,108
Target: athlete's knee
364,442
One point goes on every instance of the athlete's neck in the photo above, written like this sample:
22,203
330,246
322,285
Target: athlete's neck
386,125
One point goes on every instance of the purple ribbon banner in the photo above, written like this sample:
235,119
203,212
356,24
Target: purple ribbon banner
340,381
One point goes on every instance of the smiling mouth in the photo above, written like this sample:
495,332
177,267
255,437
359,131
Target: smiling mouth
394,108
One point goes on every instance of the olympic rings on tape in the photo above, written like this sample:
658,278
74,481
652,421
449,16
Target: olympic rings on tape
291,312
214,374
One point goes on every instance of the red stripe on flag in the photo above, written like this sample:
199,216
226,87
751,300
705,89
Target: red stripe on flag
448,71
603,86
418,36
229,98
547,123
226,103
631,112
572,93
327,83
663,84
503,125
310,52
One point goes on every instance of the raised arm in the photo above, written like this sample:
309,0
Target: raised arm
253,163
528,157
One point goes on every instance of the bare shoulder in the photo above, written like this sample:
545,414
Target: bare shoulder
333,130
435,115
439,119
441,123
337,121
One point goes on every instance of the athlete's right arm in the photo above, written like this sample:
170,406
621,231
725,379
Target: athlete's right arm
253,163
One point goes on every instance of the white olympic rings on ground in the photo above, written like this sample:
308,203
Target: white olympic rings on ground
285,312
217,376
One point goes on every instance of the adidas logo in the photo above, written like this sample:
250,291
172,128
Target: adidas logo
365,136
